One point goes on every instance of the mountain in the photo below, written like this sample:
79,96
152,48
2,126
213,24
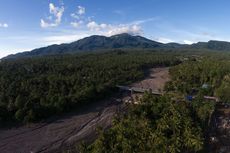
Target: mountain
175,45
121,41
212,45
93,43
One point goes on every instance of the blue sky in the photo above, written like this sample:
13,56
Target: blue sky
28,24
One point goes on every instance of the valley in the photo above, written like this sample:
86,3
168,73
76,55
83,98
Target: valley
69,104
81,76
60,133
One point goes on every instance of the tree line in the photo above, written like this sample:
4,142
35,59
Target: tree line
32,89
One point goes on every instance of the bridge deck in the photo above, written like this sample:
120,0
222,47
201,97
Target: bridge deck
139,90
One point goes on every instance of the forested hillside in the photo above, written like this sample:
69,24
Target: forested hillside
92,44
121,41
35,88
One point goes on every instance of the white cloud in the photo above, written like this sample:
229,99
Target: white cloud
81,10
4,25
108,29
74,15
77,24
80,20
164,40
59,39
55,17
145,20
123,28
79,13
133,28
188,42
93,26
78,16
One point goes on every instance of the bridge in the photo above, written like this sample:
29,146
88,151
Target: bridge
138,90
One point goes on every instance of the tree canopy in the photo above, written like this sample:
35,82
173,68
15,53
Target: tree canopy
32,89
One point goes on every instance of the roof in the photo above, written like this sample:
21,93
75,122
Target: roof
205,86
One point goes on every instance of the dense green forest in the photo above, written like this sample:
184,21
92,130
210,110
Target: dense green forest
192,75
35,88
171,123
159,125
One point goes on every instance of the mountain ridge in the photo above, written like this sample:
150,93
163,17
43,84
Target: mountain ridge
120,41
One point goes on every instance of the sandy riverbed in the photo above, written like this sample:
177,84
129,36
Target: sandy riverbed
71,128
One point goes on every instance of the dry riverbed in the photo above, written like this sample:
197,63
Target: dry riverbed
220,130
63,132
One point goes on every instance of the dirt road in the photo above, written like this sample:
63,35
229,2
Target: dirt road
72,128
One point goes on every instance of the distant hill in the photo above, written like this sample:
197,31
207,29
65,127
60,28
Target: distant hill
121,41
212,45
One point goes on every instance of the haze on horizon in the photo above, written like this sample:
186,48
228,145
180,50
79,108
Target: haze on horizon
26,24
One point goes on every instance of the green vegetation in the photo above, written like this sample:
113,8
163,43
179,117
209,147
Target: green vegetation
159,125
193,74
171,124
35,88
